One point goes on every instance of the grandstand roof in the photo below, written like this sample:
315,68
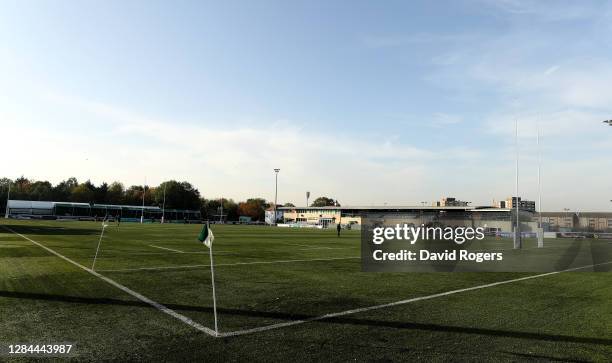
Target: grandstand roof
121,206
391,208
32,204
29,204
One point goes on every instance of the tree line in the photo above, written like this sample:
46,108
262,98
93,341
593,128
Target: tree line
178,195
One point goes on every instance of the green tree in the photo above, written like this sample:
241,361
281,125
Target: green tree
41,190
62,192
230,209
133,195
211,208
254,208
83,193
325,202
21,188
101,193
179,195
116,193
4,187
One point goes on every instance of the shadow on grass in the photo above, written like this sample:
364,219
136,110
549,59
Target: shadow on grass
49,230
336,320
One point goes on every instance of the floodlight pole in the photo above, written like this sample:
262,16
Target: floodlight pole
307,197
517,229
164,205
275,193
212,277
221,216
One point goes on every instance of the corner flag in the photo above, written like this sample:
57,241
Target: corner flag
206,236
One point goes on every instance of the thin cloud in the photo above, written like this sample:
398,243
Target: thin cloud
440,119
544,10
238,160
398,40
551,70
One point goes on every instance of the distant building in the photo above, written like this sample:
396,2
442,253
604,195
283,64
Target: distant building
510,203
450,202
492,219
559,221
85,211
594,221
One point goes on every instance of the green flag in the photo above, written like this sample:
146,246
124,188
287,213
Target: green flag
206,236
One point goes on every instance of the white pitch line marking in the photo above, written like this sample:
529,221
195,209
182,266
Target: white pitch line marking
168,249
228,264
113,254
135,294
397,303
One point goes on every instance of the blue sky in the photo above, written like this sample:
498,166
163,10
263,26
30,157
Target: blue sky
370,103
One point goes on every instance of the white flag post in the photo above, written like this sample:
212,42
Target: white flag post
212,277
104,225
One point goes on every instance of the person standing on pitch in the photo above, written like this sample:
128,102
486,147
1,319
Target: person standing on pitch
338,228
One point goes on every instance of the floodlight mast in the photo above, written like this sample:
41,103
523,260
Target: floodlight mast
307,197
540,228
609,122
275,193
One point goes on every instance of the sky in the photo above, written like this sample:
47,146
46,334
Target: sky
366,102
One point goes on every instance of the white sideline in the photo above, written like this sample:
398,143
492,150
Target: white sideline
118,253
178,267
140,297
401,302
167,249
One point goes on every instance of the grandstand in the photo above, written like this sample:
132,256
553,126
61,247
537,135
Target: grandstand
491,218
85,211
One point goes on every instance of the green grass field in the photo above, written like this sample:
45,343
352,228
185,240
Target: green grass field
267,276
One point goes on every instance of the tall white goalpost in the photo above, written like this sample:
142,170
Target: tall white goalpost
517,229
540,233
